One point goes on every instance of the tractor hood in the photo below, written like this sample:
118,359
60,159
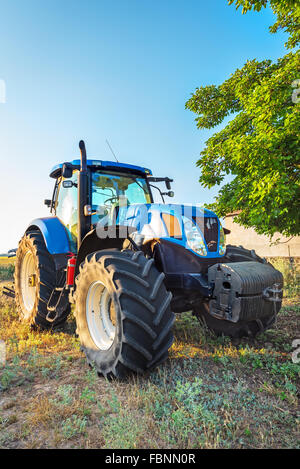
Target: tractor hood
196,229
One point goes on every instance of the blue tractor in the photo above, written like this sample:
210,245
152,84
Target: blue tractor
128,264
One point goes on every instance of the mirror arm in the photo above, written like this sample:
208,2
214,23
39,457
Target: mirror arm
166,180
161,194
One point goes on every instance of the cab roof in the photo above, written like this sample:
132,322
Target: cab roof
100,164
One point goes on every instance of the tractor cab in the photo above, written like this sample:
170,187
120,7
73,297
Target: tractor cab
109,186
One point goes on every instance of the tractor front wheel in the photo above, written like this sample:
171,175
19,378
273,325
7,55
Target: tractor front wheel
123,314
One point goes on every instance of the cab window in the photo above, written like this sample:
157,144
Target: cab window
66,208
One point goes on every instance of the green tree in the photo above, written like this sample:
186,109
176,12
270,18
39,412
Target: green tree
287,13
260,146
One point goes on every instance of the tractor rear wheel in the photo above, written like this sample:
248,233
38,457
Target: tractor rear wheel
241,328
35,279
122,311
241,254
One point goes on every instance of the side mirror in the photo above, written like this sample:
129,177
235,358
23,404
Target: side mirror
169,194
168,184
47,202
67,170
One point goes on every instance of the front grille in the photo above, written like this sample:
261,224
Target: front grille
210,228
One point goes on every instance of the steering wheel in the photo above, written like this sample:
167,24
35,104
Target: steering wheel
112,200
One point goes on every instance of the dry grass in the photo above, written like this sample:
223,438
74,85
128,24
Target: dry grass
6,269
290,269
7,260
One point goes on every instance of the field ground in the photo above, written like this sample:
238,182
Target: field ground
6,268
6,260
211,393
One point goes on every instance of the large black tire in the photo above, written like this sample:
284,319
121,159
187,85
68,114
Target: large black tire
241,254
241,328
141,306
234,330
33,258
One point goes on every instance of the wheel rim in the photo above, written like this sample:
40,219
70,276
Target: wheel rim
100,315
28,281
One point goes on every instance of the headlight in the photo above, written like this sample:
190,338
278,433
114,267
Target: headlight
194,238
222,247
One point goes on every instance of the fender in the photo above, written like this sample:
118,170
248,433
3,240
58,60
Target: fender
54,234
92,243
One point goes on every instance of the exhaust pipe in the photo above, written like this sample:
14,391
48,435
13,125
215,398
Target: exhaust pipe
83,166
84,222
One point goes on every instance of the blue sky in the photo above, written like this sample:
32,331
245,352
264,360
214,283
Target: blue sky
120,70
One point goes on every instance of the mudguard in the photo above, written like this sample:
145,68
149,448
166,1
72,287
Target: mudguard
54,234
116,235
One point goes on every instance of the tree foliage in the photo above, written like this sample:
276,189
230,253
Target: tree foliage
260,146
287,13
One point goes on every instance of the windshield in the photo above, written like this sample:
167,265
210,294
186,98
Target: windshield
117,189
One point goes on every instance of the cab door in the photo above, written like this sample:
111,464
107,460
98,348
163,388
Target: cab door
66,208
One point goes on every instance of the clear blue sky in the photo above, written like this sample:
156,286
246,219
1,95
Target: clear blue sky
120,70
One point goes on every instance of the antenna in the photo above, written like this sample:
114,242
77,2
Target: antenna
112,150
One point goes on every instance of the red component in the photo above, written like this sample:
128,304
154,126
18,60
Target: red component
71,271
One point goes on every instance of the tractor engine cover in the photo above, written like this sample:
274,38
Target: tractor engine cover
244,291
